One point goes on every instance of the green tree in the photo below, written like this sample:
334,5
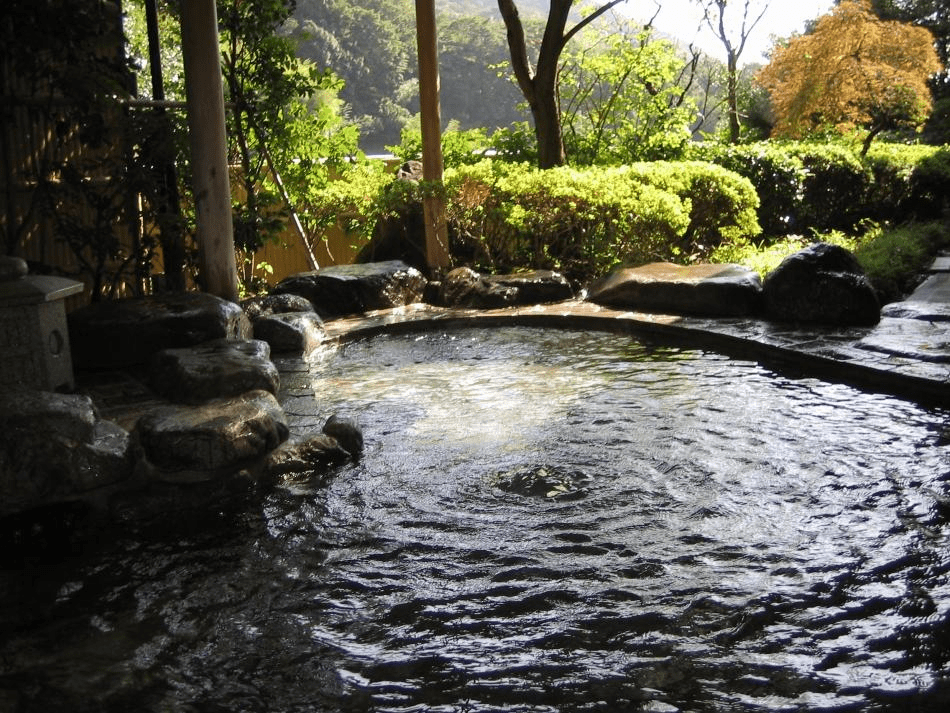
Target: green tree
624,97
734,42
538,81
282,113
371,45
853,71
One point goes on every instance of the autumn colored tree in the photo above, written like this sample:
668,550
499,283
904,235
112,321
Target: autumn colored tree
853,71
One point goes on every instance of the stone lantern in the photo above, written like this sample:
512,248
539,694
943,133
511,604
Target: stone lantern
34,339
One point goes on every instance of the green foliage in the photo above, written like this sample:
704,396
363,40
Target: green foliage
835,186
584,222
620,99
778,178
722,205
805,187
371,45
510,216
459,147
892,257
354,202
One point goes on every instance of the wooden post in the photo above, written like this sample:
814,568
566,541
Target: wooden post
437,243
209,160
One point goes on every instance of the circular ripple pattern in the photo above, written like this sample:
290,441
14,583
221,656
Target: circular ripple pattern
707,536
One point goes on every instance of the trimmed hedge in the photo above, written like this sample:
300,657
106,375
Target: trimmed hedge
805,186
503,217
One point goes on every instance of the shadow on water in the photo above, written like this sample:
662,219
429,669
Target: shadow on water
541,521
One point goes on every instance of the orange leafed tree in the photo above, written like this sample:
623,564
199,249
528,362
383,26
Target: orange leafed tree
854,71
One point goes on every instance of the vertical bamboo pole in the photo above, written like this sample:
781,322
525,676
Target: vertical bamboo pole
437,251
209,161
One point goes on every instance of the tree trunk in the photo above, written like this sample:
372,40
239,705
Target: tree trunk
539,87
732,93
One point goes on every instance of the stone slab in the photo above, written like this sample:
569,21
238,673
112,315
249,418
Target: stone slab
705,289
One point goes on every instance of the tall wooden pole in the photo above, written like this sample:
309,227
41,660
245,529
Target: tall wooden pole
209,159
437,243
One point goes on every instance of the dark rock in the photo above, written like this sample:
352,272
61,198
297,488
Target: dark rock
463,287
192,444
401,236
128,332
107,459
264,305
709,290
823,283
296,332
53,446
536,287
306,456
12,268
343,290
215,369
544,481
346,433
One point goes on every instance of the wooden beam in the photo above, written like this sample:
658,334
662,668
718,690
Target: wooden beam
209,161
437,243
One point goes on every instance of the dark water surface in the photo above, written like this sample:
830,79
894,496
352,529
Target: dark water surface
707,536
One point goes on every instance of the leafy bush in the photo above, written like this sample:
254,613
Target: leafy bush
893,258
509,216
930,186
777,176
584,222
835,187
722,205
808,186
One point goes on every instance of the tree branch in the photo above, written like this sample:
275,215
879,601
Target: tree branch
589,19
518,47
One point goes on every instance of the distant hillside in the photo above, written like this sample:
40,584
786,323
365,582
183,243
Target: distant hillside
371,46
489,8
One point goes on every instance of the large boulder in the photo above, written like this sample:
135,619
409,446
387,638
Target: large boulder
128,332
400,236
198,443
216,369
264,305
290,332
708,290
54,447
342,290
463,287
823,283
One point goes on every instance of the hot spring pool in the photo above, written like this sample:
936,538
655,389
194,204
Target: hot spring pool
690,533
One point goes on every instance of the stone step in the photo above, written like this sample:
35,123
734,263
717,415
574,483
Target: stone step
940,264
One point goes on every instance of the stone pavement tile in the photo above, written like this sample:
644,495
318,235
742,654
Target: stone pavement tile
940,264
935,288
911,338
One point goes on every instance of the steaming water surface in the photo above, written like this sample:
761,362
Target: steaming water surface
709,536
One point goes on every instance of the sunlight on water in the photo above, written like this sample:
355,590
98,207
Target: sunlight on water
541,521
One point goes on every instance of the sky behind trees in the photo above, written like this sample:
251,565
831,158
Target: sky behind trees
682,19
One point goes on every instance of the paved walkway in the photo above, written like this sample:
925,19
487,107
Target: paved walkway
907,354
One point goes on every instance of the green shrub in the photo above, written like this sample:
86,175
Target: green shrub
893,258
504,217
777,176
808,186
584,222
835,188
722,205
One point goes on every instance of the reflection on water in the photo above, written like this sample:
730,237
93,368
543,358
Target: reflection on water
740,541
